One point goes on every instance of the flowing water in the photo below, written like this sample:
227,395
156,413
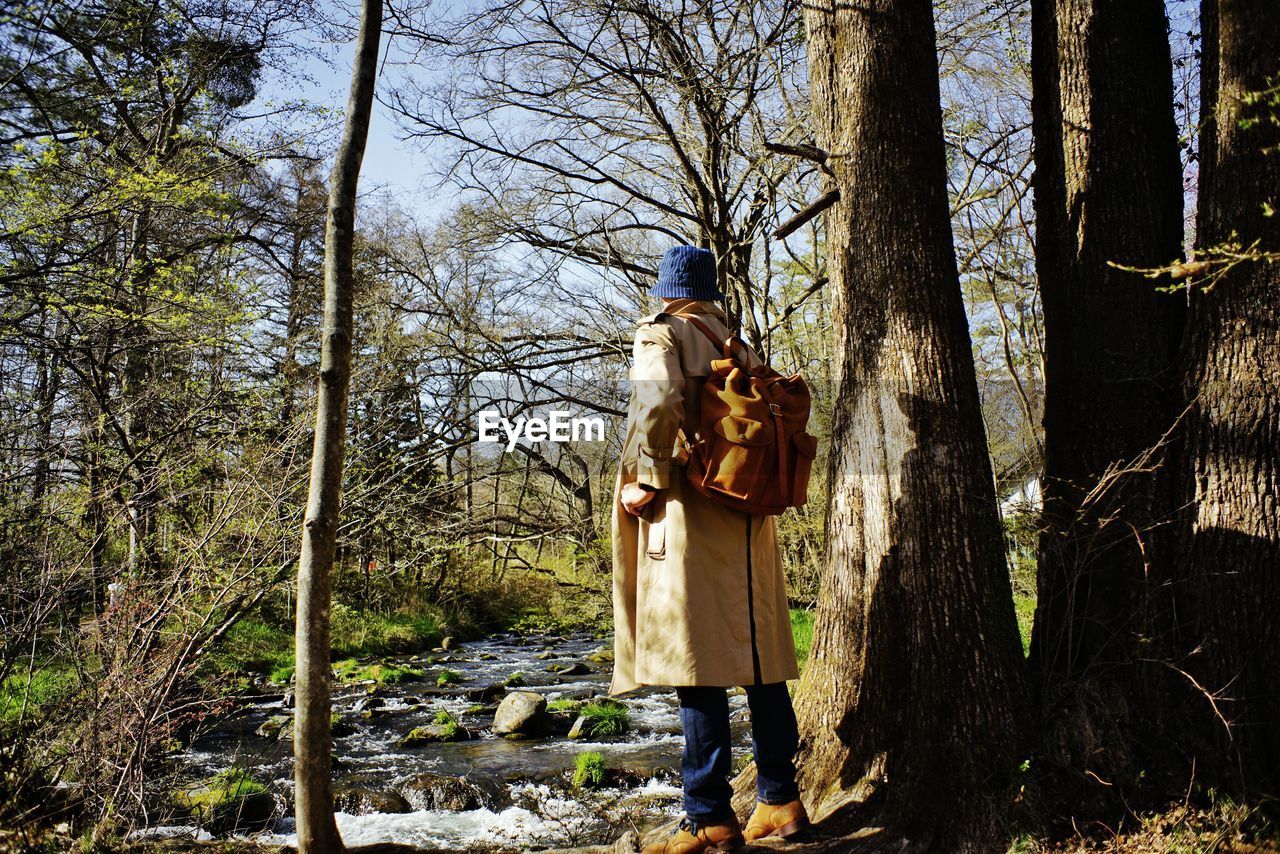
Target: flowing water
528,804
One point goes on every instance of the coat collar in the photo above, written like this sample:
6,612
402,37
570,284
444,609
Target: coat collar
693,306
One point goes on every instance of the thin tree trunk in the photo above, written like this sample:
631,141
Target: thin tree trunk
1108,189
317,830
1229,586
915,673
139,373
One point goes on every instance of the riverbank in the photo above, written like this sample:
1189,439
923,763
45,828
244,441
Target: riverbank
403,675
1213,827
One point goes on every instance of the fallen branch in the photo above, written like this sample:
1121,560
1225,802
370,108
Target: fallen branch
805,151
811,210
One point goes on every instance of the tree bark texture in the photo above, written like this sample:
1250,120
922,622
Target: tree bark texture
1108,189
1229,575
915,675
317,830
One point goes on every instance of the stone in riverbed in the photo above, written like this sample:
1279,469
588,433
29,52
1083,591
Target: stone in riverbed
271,727
601,656
365,704
485,693
359,800
575,669
447,642
432,733
545,654
230,800
440,792
521,712
578,693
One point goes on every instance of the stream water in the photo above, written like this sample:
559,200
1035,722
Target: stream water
527,803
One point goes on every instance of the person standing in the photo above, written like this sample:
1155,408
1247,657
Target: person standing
699,594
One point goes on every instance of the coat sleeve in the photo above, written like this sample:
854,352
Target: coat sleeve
657,390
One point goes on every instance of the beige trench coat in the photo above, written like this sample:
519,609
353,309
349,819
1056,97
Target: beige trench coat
699,595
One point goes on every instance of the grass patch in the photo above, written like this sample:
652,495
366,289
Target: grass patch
350,670
257,646
564,705
37,692
448,677
605,717
802,633
588,769
358,633
227,800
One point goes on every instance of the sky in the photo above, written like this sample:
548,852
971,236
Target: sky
398,169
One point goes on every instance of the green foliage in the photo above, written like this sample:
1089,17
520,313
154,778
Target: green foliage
1025,607
605,716
1262,108
450,724
282,674
588,769
447,677
1022,534
567,594
802,633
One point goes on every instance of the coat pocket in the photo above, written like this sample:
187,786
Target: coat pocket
656,525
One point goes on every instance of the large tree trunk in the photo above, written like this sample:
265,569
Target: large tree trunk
1108,188
1230,571
317,830
915,672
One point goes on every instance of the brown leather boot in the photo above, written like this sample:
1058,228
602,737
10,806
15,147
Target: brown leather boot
786,820
692,837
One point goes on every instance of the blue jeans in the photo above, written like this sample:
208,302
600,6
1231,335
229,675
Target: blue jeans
705,763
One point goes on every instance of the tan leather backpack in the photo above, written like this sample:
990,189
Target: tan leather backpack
751,451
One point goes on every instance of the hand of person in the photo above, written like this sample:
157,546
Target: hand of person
635,497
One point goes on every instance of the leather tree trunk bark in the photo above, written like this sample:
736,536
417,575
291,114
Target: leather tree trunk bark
1108,189
312,751
915,675
1229,584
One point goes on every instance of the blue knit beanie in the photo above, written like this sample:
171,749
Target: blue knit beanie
687,272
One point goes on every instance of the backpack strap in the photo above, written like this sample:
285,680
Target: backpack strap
724,345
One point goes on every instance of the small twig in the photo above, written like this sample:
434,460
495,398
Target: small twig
1205,267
